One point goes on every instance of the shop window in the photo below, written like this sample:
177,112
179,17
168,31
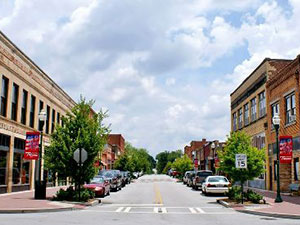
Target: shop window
24,107
296,169
3,159
4,92
32,111
17,168
25,173
14,101
41,122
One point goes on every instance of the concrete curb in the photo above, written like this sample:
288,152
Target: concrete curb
271,214
252,212
18,211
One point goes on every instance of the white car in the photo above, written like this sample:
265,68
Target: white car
215,184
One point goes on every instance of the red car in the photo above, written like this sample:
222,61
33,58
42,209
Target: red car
100,186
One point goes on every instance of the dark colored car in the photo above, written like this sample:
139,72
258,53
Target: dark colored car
200,177
114,176
189,180
125,178
99,185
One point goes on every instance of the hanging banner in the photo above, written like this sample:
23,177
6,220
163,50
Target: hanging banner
32,146
196,163
286,149
217,162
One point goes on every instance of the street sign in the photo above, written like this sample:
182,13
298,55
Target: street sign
241,161
76,155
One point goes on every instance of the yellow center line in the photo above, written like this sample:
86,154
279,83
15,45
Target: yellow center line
158,198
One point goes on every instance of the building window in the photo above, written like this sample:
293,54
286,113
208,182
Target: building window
246,114
234,117
253,109
290,107
4,91
296,169
17,168
240,118
47,119
14,101
3,159
24,107
262,104
41,122
32,111
58,118
275,110
53,121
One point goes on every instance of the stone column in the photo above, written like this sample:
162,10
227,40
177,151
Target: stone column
10,161
32,174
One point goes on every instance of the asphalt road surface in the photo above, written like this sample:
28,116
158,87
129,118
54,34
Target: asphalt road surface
152,199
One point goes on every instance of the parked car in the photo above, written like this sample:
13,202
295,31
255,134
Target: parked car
186,175
99,185
114,176
215,184
127,178
123,178
190,178
199,178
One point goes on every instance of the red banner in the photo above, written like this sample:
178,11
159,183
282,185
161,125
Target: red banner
196,163
32,146
286,149
217,162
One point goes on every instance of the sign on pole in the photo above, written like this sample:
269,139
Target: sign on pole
241,161
76,155
32,146
286,149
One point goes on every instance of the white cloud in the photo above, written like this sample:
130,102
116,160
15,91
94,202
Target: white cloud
141,59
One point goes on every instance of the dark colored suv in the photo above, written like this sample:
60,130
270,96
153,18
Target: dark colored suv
200,177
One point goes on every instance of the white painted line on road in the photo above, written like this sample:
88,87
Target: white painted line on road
200,210
120,209
164,210
155,210
127,210
193,210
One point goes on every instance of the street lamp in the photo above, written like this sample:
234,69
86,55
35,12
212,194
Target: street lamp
213,146
276,123
40,186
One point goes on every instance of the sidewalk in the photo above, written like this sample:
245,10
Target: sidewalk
289,208
21,202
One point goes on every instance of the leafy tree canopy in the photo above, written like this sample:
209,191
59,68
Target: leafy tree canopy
164,157
240,143
182,165
81,129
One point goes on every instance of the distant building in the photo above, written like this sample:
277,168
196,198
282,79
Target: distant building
249,107
112,150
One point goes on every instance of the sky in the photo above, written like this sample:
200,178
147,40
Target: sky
164,69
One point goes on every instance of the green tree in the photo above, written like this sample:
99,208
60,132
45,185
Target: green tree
182,165
240,143
167,167
81,129
164,157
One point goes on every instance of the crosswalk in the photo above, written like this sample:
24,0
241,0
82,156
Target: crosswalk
161,209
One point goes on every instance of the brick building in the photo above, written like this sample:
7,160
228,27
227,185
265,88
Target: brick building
112,150
25,90
194,150
248,107
283,98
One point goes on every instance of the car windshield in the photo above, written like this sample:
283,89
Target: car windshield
97,180
217,179
204,174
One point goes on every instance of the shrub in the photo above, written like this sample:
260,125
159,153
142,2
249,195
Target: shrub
253,196
71,195
235,193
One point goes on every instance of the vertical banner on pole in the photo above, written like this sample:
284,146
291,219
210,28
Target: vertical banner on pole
32,146
286,149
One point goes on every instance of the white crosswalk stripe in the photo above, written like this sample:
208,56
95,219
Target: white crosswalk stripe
127,210
164,210
200,210
120,209
193,210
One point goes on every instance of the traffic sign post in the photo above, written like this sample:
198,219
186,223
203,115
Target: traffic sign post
80,156
241,163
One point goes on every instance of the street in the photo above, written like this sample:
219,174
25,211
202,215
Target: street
152,199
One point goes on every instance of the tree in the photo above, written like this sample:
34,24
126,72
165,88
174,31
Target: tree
164,157
182,165
167,167
81,129
240,143
135,160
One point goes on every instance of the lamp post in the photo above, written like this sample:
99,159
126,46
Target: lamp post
276,123
40,186
213,146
